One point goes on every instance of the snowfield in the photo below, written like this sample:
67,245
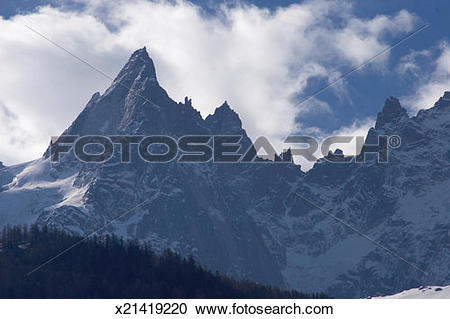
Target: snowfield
427,292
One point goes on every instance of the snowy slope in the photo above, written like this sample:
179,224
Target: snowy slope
31,188
427,292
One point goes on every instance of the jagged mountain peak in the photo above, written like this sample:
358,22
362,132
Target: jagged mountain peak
225,105
446,95
286,155
443,101
187,101
225,110
392,113
133,98
225,119
392,102
140,57
140,68
142,52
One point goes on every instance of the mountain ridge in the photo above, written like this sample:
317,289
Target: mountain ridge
246,220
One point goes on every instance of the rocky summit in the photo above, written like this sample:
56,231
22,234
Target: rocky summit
347,229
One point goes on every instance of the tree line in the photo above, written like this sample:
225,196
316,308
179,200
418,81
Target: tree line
110,267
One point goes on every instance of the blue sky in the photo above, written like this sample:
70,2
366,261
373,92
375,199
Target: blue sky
416,71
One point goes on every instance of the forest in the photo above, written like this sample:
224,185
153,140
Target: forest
39,262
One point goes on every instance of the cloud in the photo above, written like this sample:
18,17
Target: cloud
361,37
409,64
429,85
17,140
358,128
261,61
315,106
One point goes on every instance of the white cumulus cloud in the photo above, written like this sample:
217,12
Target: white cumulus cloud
258,60
430,84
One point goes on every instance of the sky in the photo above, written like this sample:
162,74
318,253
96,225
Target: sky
263,57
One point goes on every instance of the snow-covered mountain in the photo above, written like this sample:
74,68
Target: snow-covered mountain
424,292
248,220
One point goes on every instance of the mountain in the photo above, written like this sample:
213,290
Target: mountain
265,222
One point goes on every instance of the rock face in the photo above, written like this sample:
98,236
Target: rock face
392,114
264,222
